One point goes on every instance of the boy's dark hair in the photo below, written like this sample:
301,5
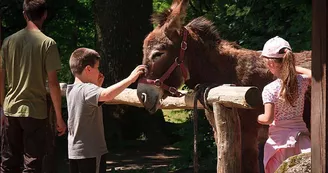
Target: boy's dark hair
81,58
34,9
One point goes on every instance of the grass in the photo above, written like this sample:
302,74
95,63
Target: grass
176,115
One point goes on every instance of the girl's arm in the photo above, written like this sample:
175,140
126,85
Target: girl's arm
304,71
268,116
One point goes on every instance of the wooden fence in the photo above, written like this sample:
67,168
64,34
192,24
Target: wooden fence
227,120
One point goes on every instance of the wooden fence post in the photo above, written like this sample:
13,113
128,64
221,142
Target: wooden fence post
319,119
229,139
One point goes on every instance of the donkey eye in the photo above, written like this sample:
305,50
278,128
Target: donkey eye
156,55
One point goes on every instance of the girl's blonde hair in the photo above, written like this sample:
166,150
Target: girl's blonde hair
288,75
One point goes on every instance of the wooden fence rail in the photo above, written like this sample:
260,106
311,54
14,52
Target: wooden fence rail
228,96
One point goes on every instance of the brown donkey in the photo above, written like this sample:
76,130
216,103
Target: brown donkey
195,54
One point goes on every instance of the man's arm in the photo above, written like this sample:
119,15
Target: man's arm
55,94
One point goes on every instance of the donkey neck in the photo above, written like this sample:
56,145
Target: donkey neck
210,66
228,63
248,67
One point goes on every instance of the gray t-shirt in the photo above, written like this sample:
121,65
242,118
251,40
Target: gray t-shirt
86,137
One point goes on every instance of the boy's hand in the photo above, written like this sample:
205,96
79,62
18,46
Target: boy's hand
61,126
140,69
101,78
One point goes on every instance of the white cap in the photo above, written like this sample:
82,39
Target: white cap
273,46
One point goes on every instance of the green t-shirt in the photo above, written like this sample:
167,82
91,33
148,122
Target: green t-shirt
26,57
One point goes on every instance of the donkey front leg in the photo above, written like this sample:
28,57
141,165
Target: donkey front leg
249,131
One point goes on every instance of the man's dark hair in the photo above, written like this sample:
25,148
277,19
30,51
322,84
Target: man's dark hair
34,9
81,58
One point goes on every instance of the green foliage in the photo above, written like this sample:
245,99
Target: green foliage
161,5
251,23
176,116
206,144
69,23
11,17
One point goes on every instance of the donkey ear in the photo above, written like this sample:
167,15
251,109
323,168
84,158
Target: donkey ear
176,18
174,4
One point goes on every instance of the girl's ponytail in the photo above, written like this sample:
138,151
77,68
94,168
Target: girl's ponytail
289,88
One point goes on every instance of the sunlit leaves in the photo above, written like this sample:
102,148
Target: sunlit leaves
161,5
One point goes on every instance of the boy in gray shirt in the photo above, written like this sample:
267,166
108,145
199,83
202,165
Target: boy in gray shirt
86,140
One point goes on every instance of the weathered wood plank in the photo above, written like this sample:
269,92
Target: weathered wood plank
229,96
237,97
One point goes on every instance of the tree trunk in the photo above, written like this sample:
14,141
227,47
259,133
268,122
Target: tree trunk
121,30
121,26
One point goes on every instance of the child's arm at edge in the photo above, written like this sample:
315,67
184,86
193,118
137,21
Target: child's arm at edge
268,116
304,71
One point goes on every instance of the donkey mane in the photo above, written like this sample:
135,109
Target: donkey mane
160,18
209,34
205,29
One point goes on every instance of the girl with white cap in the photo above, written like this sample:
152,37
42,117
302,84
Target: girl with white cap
283,101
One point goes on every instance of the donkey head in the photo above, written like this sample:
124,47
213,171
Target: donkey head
161,50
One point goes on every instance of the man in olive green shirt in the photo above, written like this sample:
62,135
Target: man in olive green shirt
27,59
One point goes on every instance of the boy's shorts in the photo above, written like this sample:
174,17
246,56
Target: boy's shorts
89,165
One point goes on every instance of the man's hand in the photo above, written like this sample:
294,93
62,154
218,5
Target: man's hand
61,126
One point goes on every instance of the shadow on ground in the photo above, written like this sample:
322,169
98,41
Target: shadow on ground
142,159
137,143
136,158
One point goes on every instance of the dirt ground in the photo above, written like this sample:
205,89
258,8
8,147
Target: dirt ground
137,158
142,158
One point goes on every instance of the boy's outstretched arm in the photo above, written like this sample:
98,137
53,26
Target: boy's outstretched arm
111,92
